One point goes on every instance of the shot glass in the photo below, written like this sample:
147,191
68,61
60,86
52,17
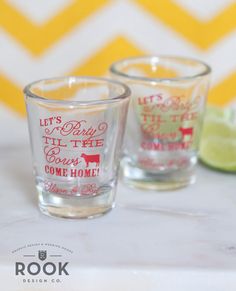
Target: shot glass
164,120
76,127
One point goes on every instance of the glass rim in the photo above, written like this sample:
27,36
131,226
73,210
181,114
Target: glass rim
126,91
113,68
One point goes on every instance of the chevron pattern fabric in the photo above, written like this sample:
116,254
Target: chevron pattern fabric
41,39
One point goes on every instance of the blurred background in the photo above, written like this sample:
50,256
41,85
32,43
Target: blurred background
47,38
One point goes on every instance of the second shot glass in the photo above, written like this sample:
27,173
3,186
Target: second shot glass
165,119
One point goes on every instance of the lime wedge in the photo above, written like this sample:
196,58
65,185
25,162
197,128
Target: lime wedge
219,153
218,141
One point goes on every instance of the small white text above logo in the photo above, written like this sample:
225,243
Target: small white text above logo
42,263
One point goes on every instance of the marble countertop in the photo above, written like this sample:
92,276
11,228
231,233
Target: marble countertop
172,241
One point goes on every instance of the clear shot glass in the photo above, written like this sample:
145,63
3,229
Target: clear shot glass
76,127
164,120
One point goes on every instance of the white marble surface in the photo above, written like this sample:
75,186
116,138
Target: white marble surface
183,240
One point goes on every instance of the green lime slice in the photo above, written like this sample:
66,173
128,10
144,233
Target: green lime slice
218,140
219,153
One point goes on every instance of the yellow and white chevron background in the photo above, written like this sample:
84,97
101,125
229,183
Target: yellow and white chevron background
82,37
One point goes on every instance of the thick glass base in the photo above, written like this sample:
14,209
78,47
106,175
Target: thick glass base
157,180
75,207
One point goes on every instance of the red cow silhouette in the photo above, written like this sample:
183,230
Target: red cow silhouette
186,132
91,159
